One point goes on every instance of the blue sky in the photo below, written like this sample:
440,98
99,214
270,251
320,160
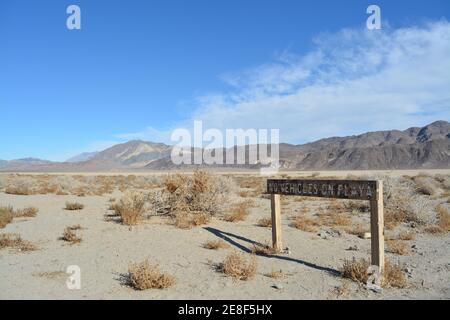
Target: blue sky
139,69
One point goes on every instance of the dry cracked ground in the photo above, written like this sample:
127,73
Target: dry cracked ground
207,235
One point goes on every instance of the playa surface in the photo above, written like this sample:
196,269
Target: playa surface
311,268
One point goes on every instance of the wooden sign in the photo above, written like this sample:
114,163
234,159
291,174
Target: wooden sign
340,189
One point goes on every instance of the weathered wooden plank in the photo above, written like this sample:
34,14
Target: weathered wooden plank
340,189
377,227
276,222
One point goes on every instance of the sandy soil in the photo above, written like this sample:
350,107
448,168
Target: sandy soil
311,267
108,248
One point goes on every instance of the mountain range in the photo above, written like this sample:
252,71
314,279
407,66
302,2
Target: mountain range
414,148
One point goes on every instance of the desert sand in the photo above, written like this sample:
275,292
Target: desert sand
311,268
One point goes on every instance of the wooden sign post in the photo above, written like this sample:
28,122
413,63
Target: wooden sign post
337,189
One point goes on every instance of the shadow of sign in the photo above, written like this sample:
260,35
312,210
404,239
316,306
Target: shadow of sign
229,237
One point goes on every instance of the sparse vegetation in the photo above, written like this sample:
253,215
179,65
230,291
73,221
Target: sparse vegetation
333,219
443,221
74,206
434,229
215,245
341,291
144,275
6,216
26,212
443,214
15,241
238,212
274,274
263,249
402,204
304,223
398,247
358,230
426,185
265,222
406,236
70,236
356,270
238,266
21,188
394,276
185,196
185,220
130,207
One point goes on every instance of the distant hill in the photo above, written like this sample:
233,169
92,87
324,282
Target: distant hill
82,157
22,164
414,148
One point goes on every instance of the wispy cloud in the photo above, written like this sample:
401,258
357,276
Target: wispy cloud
352,81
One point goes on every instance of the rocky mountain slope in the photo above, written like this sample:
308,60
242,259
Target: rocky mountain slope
414,148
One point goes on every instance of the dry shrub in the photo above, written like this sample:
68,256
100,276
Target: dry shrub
6,216
304,223
130,207
443,217
402,204
238,266
202,194
255,183
263,249
144,275
394,276
341,291
26,212
358,230
406,235
248,194
356,270
215,245
74,206
184,220
443,221
356,206
434,229
19,187
426,185
265,222
398,247
13,240
239,212
275,274
70,236
334,219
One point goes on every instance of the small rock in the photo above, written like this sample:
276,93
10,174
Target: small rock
336,233
367,235
408,270
323,234
375,288
277,286
413,224
353,248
